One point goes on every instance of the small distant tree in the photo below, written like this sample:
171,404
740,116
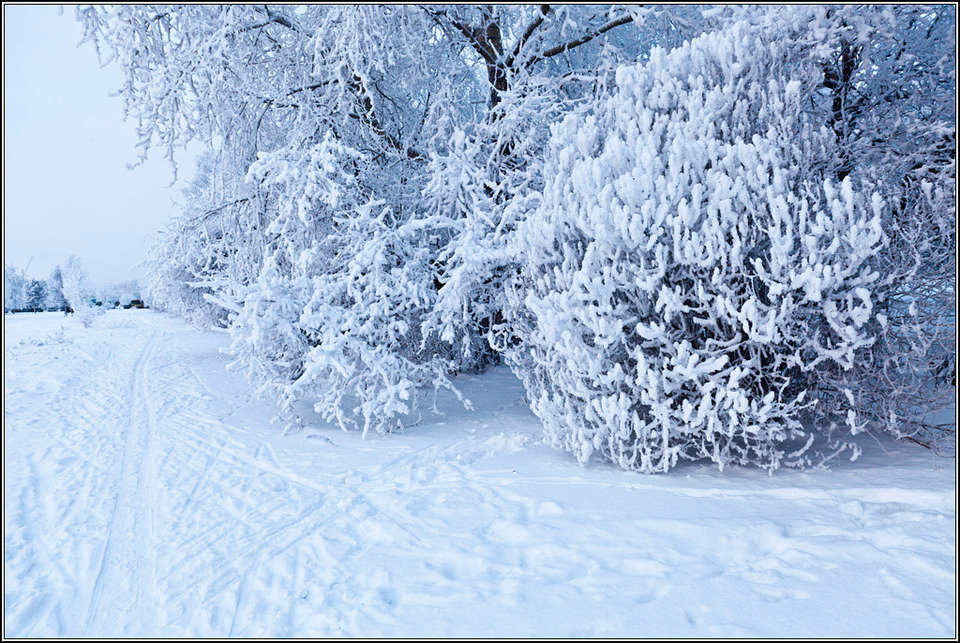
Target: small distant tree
55,299
13,289
36,295
76,290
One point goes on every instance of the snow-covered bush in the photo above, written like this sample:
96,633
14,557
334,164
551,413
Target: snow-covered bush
686,270
892,87
335,315
365,316
886,89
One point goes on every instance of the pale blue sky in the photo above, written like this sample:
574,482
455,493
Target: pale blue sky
67,189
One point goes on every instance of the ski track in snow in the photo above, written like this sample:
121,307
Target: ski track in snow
147,494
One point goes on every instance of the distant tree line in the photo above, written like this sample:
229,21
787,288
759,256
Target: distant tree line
65,288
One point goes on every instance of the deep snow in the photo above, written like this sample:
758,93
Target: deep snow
146,493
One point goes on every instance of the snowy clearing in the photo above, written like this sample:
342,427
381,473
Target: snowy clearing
147,494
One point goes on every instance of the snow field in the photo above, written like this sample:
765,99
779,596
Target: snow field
146,493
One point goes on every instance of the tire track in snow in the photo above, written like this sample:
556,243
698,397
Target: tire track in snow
124,593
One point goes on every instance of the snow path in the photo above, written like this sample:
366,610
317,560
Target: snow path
147,494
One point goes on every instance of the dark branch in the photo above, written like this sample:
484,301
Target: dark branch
281,20
371,118
559,49
474,36
528,32
368,115
476,39
196,221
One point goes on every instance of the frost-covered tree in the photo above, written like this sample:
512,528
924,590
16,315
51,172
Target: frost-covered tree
203,255
77,291
304,105
35,295
14,285
55,299
360,219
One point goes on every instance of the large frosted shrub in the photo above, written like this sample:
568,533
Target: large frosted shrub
686,269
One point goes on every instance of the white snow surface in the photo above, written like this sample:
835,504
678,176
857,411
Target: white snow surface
146,493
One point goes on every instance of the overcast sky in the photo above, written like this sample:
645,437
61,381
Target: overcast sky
67,188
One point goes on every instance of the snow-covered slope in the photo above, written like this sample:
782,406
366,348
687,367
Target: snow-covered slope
146,493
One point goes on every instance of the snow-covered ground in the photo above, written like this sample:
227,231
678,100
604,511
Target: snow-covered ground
147,493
